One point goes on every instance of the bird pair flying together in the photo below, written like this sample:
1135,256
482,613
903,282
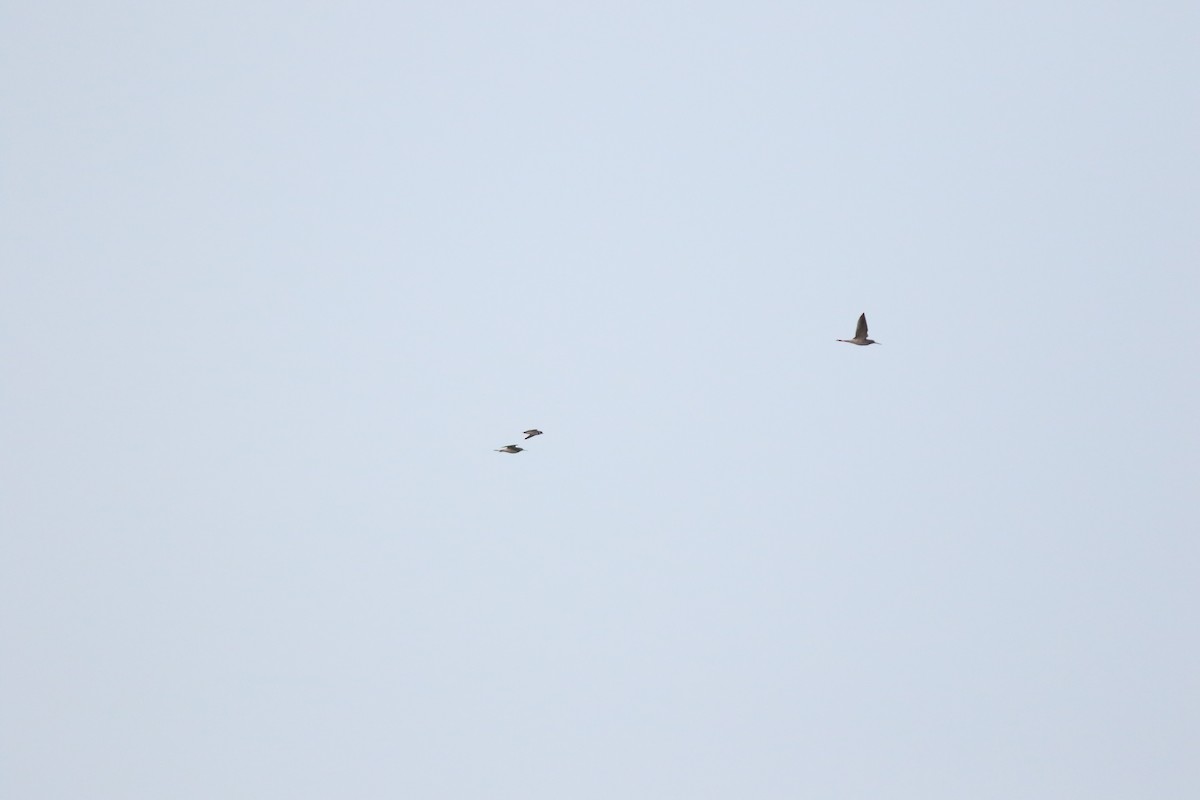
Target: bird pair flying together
512,448
860,338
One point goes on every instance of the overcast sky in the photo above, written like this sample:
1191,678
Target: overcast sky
277,278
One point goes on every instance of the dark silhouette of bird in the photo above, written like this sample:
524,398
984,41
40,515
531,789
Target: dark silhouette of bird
860,333
512,448
532,432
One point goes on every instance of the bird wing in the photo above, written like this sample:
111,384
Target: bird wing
861,331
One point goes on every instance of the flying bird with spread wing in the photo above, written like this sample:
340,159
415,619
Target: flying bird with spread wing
860,333
512,448
532,432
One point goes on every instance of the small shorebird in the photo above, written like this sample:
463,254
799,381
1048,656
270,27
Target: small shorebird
532,432
512,448
860,333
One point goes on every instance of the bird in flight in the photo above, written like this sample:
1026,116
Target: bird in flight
532,432
860,333
512,448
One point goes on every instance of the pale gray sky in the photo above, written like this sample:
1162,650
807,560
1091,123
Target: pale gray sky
277,278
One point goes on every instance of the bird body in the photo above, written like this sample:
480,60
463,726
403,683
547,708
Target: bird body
512,448
860,333
532,432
